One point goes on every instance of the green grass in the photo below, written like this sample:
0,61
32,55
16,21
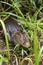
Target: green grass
6,38
26,59
29,22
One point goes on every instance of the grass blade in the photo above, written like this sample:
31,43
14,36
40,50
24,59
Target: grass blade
6,38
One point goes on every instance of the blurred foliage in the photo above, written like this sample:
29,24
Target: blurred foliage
29,13
26,12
